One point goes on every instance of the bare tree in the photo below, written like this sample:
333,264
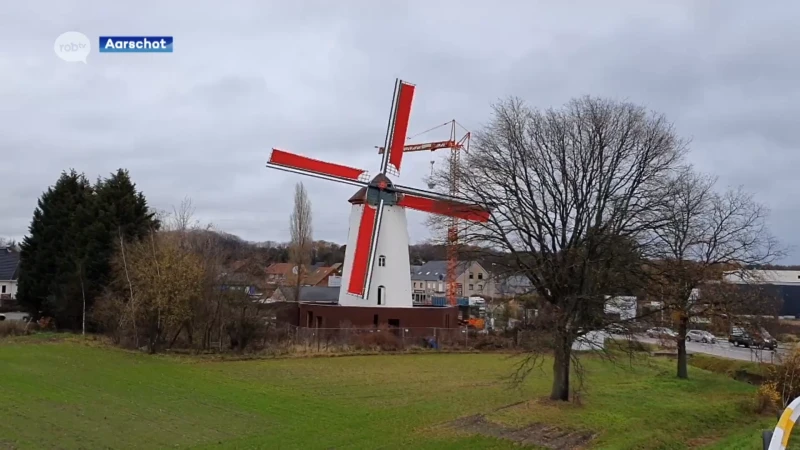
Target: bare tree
703,233
302,243
571,189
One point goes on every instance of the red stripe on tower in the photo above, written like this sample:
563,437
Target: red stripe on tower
402,116
358,272
294,161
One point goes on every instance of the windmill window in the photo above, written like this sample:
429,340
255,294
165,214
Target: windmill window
381,295
382,261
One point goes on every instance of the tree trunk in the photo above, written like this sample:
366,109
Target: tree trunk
190,332
683,371
561,367
175,338
83,313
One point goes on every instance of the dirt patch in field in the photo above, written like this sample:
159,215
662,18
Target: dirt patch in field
536,434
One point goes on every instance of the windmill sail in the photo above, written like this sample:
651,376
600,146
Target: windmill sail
283,160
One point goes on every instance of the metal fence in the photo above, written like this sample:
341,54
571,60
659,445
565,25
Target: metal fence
327,339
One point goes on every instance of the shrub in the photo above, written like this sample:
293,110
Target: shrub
767,398
381,339
46,323
785,377
786,337
13,328
492,342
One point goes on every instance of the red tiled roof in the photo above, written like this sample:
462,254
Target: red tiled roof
279,269
321,273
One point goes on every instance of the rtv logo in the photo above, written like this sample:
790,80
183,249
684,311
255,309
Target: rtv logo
72,46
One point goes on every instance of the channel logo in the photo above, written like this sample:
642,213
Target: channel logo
72,46
135,44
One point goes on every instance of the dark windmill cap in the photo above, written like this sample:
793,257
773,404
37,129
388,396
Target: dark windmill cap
361,196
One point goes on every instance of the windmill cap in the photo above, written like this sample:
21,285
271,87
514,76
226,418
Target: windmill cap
361,196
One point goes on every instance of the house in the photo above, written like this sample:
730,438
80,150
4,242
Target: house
244,276
315,275
428,281
240,282
9,274
320,275
513,286
279,273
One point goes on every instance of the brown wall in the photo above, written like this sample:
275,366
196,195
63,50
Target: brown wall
335,316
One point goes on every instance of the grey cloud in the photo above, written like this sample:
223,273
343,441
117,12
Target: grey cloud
315,77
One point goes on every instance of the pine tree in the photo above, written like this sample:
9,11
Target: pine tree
49,255
122,213
123,209
65,259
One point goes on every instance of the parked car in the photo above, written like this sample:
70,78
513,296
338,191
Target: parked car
758,338
661,332
700,336
616,328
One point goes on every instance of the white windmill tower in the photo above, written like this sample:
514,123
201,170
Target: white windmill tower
376,265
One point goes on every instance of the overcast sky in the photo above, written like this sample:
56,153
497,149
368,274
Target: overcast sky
317,77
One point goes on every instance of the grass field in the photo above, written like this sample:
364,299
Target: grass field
64,394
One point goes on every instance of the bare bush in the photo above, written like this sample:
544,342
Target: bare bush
701,234
381,339
13,328
782,381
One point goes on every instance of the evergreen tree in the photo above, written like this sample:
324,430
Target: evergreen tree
49,254
123,209
122,212
65,259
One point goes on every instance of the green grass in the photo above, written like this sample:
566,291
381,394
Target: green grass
56,394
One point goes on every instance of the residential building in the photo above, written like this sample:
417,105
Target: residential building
314,275
513,286
428,281
9,274
240,282
321,275
244,276
278,273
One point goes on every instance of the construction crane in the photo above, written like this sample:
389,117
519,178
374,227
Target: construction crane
455,145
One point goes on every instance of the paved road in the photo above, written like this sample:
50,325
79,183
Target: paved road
723,349
14,315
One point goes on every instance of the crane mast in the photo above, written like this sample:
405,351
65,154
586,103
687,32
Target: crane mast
453,240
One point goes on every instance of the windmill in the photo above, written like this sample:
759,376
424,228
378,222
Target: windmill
376,266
